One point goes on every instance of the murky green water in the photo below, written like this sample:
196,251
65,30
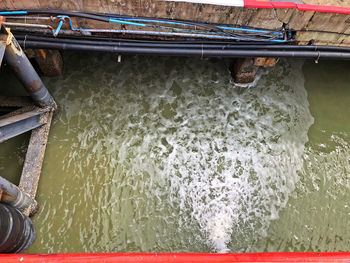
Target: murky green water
169,155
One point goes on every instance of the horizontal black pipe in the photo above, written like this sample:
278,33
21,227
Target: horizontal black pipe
67,13
190,52
164,44
159,44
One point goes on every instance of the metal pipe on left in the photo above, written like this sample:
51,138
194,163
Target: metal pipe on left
18,61
12,195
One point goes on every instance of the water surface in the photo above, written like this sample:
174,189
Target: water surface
169,155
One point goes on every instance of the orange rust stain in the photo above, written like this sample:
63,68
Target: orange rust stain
2,19
34,85
42,53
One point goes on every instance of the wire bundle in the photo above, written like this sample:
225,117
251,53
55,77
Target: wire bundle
158,27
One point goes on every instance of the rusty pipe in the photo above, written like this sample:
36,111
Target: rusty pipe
24,70
12,195
10,24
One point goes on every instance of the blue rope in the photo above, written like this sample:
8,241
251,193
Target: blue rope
125,22
5,13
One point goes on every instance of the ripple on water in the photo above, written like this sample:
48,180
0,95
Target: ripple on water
167,154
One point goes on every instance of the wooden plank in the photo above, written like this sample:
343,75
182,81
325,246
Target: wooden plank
245,15
333,39
265,18
34,158
285,14
299,20
331,22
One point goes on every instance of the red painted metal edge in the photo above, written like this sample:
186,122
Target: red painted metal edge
300,7
176,257
263,4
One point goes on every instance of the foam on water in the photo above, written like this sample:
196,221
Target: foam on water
241,155
176,140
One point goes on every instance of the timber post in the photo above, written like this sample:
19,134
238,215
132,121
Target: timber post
243,70
50,61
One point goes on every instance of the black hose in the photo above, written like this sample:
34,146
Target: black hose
189,52
68,13
158,44
169,44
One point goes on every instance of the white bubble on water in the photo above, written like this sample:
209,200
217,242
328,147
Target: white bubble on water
184,136
240,160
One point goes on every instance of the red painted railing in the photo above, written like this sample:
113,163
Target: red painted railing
300,7
176,257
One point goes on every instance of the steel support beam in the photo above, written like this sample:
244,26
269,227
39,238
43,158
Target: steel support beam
21,123
34,158
15,102
18,61
12,195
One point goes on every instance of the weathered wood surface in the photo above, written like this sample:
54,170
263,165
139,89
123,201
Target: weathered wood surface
318,25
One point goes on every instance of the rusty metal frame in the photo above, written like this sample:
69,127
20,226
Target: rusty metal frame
19,123
33,114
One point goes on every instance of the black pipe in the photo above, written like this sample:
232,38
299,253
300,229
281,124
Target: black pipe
67,13
25,72
13,196
159,44
17,231
190,52
163,44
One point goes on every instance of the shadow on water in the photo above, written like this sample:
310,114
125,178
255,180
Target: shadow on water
169,155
